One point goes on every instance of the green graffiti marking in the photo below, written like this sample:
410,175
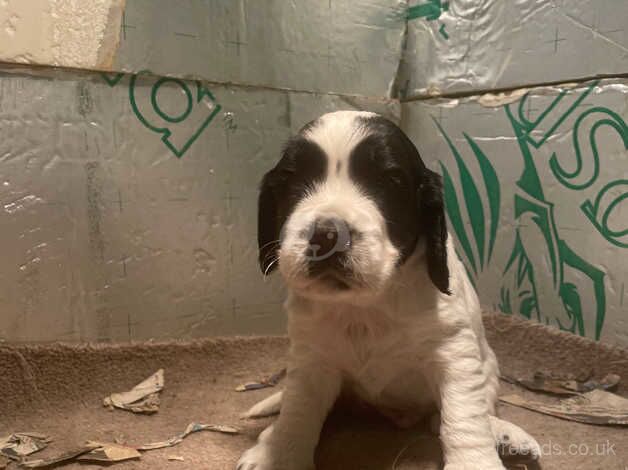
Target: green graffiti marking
157,108
200,106
552,112
591,120
483,236
431,10
491,184
524,285
600,117
505,305
455,217
537,213
203,96
571,296
544,278
112,79
607,202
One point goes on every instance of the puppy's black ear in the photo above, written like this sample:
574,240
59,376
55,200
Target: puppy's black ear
434,226
268,225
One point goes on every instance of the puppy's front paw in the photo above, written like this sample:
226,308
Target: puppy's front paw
471,465
474,460
511,440
256,458
262,457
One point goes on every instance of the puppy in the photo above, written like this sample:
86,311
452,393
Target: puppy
379,304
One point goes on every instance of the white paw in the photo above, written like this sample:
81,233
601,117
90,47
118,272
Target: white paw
267,407
473,466
264,457
256,458
511,440
474,459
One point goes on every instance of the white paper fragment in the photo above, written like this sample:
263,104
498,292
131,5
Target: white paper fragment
21,444
108,452
264,383
143,398
192,428
596,407
57,459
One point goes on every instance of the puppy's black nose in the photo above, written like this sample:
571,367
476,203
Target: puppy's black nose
329,238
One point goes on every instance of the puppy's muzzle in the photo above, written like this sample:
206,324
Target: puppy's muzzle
329,243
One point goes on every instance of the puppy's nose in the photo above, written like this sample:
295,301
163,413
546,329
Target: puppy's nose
329,237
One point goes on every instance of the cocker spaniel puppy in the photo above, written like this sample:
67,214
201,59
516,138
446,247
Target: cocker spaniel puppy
379,304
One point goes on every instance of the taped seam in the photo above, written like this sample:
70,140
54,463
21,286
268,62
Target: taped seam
483,91
39,70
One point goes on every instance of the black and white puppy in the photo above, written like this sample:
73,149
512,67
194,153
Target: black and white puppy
379,304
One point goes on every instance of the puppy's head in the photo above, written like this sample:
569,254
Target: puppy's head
346,206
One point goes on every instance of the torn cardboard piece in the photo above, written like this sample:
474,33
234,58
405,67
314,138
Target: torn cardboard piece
264,383
596,407
61,458
192,428
106,453
20,444
109,453
143,398
542,382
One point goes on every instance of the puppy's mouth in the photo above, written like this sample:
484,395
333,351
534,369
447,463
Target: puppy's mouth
334,278
334,281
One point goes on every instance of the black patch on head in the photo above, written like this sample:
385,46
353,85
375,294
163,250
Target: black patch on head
387,166
303,163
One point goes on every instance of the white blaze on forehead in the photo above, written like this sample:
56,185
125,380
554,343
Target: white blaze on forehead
337,134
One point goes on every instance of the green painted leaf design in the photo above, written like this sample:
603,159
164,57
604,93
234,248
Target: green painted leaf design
453,209
528,306
573,306
504,305
491,183
475,211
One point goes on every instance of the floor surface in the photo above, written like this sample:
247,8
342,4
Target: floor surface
58,390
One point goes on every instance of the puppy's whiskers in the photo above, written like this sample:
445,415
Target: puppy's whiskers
270,243
270,265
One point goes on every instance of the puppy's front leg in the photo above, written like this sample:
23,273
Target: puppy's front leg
465,432
289,444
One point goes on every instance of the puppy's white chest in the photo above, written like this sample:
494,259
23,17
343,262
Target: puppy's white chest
379,355
394,382
384,370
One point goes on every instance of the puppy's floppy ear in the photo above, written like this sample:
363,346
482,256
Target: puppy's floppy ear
268,225
434,226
